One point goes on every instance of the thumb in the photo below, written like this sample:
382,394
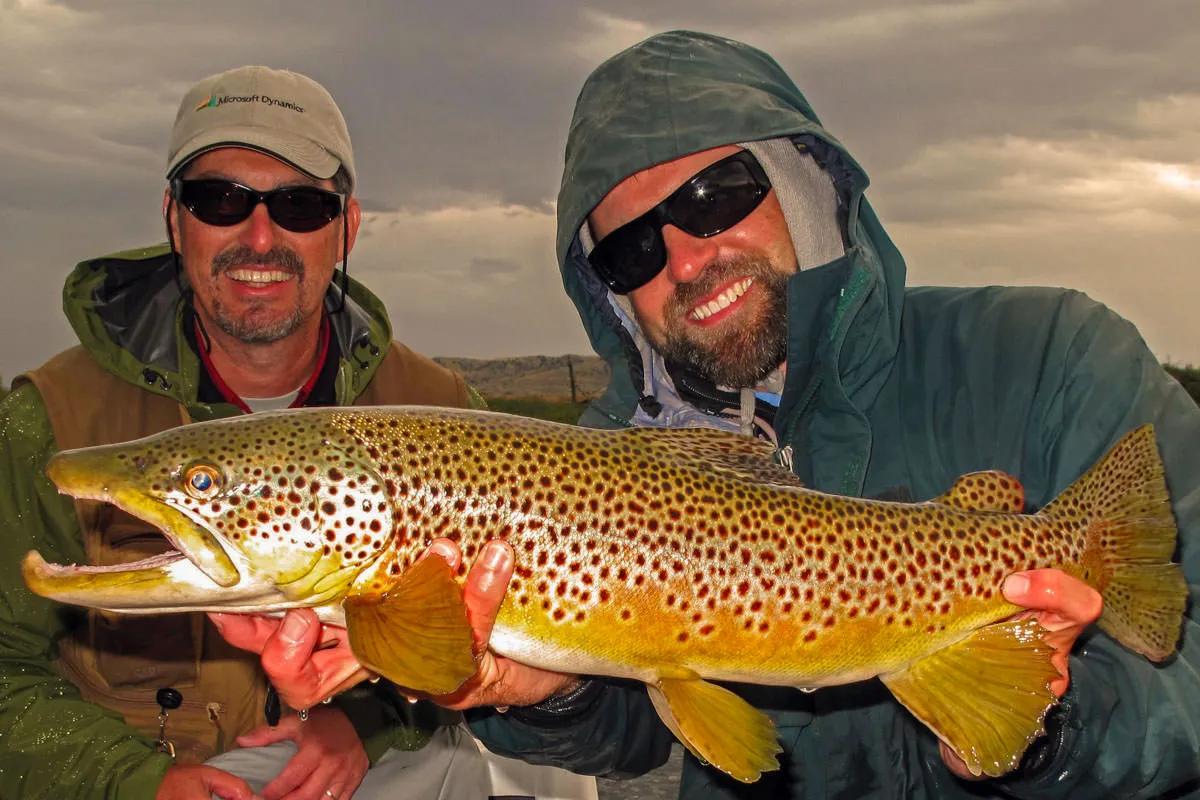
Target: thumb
290,649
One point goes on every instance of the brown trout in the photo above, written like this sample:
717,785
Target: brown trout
672,557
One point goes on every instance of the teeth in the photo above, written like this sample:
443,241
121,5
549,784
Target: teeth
259,275
722,300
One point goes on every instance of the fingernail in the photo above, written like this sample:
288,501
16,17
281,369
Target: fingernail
294,627
1016,585
494,555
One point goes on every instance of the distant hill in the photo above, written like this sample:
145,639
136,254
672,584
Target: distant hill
546,376
532,376
1189,377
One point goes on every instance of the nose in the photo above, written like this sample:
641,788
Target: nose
258,231
687,255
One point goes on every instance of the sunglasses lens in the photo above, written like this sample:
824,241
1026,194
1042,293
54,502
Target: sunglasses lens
629,256
216,202
303,209
716,199
299,209
713,201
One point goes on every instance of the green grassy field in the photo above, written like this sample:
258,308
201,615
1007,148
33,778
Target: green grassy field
565,411
553,410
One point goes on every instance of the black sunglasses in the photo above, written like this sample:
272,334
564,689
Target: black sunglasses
299,209
712,201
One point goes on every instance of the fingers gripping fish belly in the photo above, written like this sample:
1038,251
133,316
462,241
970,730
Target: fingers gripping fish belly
671,557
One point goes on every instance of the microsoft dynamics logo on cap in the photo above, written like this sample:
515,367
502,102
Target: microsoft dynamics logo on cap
215,100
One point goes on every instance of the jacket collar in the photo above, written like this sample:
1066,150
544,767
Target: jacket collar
128,312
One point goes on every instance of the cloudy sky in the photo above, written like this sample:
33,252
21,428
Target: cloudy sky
1052,142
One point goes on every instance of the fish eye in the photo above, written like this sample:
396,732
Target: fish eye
201,481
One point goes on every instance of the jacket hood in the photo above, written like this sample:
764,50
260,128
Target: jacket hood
127,310
681,92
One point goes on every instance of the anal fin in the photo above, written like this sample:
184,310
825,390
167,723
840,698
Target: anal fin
415,633
985,696
717,726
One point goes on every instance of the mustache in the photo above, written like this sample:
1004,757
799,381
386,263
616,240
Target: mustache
281,258
686,295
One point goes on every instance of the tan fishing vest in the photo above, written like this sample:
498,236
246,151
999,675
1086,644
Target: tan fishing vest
120,662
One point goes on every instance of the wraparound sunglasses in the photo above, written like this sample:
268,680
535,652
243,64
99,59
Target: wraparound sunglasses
712,201
299,209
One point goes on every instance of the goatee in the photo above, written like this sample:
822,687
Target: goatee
730,355
251,327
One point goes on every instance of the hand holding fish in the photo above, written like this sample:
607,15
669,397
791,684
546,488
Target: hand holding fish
305,660
1064,607
308,662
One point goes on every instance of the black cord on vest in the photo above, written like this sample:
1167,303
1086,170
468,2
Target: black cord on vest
345,259
185,292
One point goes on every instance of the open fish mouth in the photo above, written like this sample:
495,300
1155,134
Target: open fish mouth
166,582
108,475
159,561
198,575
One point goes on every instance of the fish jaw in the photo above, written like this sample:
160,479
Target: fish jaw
107,474
164,583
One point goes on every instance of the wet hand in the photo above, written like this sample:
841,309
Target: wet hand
499,681
308,662
330,760
305,660
199,782
1065,607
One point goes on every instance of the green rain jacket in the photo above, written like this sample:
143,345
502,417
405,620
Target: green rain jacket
53,743
887,389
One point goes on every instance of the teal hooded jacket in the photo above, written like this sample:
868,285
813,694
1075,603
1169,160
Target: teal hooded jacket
888,389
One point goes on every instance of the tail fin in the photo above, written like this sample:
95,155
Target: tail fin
1123,505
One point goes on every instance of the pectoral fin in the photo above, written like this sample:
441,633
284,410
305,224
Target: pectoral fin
717,726
415,633
986,696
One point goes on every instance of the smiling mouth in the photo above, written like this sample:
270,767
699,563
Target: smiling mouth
721,301
259,276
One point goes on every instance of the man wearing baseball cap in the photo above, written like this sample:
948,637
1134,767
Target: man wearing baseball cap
240,311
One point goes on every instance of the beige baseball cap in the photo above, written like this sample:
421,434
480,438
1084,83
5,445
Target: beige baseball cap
281,113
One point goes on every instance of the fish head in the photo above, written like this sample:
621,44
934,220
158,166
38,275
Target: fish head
264,512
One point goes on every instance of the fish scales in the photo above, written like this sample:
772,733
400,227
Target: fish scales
669,557
729,577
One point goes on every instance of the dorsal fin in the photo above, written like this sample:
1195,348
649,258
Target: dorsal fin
742,456
989,490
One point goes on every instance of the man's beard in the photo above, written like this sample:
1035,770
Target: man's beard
250,327
733,356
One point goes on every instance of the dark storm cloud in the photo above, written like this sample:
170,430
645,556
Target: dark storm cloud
978,113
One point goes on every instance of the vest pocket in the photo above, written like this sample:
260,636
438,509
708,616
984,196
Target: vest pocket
141,651
189,728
